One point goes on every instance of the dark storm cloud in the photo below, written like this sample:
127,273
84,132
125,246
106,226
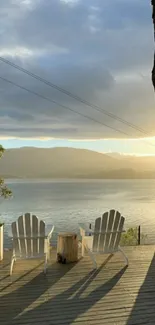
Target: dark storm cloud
98,50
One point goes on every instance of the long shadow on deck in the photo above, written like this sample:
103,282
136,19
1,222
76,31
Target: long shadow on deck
13,303
67,306
143,311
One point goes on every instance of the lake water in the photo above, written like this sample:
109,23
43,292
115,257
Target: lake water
65,203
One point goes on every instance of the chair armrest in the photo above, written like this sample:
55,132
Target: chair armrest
108,232
50,233
84,229
29,237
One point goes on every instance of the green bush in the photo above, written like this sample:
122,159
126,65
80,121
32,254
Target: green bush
130,237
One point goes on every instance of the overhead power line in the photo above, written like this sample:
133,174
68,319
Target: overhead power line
66,92
63,106
68,108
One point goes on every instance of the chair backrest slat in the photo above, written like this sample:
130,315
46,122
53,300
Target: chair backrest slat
118,236
16,245
103,229
115,228
42,234
96,235
35,233
109,228
28,226
107,232
28,233
21,232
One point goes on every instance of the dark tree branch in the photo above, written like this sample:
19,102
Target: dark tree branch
4,191
153,17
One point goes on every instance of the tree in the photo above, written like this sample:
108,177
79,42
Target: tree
4,190
153,18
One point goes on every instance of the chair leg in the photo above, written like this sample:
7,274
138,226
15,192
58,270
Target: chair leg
124,255
93,259
12,263
49,248
83,248
45,264
48,252
89,253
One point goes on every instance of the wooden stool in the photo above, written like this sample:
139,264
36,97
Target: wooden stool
67,248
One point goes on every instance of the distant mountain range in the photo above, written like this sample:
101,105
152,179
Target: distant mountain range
29,162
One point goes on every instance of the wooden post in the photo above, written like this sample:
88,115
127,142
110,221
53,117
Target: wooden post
139,235
67,248
1,241
90,229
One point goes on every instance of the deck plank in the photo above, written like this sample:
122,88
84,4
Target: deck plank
73,294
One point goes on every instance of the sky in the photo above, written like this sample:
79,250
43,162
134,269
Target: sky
98,50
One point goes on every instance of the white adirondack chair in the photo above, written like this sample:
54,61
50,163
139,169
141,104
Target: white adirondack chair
29,239
106,236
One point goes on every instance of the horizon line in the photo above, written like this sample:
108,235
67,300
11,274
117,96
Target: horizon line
101,152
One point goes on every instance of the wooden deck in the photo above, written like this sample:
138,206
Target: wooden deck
73,294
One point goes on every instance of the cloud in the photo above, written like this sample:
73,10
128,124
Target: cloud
24,53
99,50
43,139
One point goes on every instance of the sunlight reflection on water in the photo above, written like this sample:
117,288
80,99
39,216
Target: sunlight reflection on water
66,203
